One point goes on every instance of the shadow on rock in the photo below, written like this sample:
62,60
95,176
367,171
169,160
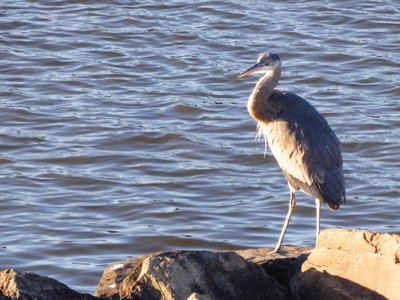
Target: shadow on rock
321,285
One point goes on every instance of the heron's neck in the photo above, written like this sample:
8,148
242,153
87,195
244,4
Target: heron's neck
263,89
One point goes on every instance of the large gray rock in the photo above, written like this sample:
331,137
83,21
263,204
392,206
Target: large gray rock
352,264
284,266
189,274
29,286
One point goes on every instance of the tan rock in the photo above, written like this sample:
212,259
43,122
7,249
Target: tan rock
28,285
114,275
196,296
263,255
353,264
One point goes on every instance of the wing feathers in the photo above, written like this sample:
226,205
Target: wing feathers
305,147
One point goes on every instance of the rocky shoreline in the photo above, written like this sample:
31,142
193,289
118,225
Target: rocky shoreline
345,264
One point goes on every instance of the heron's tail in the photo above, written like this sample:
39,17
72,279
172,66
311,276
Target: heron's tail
333,190
333,206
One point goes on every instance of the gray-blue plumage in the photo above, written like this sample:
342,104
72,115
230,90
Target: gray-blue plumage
305,147
322,157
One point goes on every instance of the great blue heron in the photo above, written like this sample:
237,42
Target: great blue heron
305,147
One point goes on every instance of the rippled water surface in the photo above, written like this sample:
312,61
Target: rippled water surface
124,127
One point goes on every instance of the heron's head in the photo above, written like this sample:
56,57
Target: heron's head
267,62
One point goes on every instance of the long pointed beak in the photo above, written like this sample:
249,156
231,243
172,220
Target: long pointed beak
250,70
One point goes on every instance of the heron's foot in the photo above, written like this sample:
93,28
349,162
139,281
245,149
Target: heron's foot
276,250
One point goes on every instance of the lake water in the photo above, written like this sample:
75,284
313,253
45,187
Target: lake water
124,127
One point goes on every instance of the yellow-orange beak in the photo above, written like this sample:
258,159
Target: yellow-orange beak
250,70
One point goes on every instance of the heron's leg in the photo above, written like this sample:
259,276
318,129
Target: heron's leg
318,206
292,205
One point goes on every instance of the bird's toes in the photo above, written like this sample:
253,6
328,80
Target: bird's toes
276,251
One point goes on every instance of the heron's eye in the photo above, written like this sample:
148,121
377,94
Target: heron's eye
268,61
